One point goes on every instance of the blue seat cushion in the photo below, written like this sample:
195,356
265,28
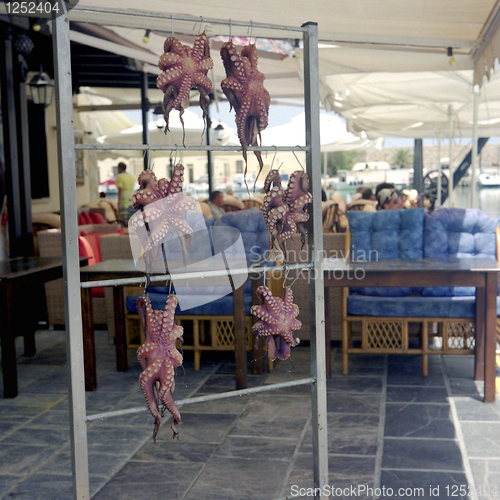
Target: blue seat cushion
202,290
413,307
223,306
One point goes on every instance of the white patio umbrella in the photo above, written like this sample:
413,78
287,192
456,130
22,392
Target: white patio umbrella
193,134
333,134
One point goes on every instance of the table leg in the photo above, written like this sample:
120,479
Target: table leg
327,331
490,337
9,366
89,359
257,344
479,335
120,336
240,351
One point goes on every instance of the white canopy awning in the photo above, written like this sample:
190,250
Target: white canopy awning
417,105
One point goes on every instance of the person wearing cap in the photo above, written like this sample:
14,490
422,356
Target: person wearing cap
388,199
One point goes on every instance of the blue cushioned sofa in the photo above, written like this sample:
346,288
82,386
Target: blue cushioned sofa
206,310
414,320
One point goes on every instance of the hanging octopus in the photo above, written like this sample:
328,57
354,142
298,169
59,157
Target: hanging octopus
277,322
160,207
244,89
159,357
184,68
285,211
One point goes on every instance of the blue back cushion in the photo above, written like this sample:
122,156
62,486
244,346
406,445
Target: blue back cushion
458,232
386,234
254,232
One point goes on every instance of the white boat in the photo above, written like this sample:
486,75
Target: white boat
487,179
373,173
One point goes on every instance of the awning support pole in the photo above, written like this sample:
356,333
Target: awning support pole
475,94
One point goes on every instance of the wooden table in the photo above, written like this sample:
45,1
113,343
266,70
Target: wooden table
480,273
25,274
125,268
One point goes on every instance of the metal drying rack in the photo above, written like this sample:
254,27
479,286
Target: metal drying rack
73,285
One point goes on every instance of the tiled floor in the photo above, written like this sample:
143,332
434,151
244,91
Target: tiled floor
391,432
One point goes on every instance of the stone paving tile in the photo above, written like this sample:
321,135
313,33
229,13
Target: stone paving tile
416,394
486,477
152,480
44,487
271,426
419,420
428,454
474,409
23,460
426,485
345,472
482,439
353,403
176,450
252,447
349,435
257,478
354,384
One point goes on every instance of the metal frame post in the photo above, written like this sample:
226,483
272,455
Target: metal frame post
475,111
316,279
71,259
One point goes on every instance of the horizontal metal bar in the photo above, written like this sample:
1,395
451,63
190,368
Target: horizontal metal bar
180,149
203,399
177,17
193,275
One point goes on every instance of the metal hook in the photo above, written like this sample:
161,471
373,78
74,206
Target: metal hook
287,272
196,22
172,24
230,28
274,157
251,32
298,161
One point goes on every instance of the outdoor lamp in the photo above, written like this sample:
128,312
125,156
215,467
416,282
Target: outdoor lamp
42,88
219,130
159,112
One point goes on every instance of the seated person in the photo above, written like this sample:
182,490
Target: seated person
367,194
215,203
388,199
383,185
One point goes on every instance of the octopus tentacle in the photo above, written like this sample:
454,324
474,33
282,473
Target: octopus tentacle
184,68
285,212
162,206
244,89
159,358
276,322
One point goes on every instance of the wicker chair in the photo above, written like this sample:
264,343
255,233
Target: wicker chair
252,203
334,219
363,206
